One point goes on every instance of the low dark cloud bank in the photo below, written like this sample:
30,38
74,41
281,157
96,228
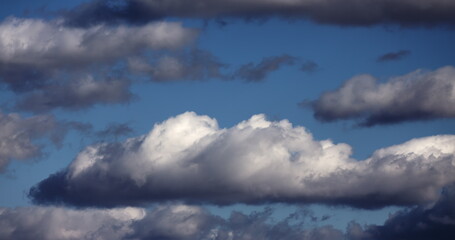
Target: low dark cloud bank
419,95
393,56
344,13
419,223
188,158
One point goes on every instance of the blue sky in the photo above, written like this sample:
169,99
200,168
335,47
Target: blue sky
392,72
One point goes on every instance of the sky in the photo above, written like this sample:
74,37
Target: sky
227,119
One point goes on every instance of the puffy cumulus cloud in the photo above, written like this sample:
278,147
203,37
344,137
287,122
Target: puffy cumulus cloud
75,95
393,56
258,72
173,222
347,12
420,95
45,62
18,136
189,158
420,223
50,44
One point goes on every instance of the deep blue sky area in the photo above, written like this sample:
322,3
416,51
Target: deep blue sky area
299,61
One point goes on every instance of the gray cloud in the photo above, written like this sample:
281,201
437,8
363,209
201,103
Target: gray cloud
420,95
393,56
190,65
18,136
348,12
75,95
309,67
115,130
419,223
258,72
189,158
172,222
43,61
202,65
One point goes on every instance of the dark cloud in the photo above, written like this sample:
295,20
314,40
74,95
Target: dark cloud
197,64
170,222
194,64
258,72
188,158
76,95
348,12
419,223
309,67
394,56
18,136
420,95
115,130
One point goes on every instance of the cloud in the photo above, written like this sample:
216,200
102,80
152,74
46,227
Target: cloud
172,222
189,158
18,136
419,223
198,64
258,72
393,56
419,95
344,13
309,67
47,63
189,65
75,95
59,223
115,130
50,44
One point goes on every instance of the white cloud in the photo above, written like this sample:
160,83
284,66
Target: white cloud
419,95
52,65
189,158
52,44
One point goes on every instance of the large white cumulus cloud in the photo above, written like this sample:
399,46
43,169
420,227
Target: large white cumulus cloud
419,95
189,158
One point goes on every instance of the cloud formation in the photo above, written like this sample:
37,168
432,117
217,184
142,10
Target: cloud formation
75,95
172,222
393,56
189,158
18,136
347,12
46,62
419,95
188,65
257,72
